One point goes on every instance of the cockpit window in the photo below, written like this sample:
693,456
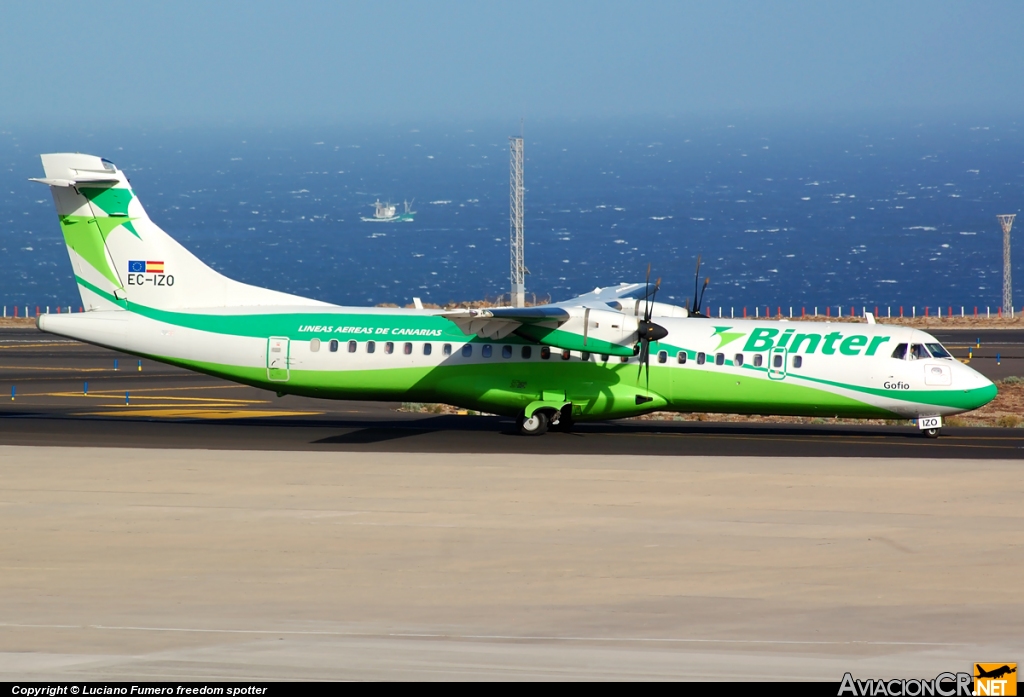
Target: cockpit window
938,351
919,351
108,165
900,351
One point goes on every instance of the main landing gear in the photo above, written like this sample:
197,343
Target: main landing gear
543,420
535,425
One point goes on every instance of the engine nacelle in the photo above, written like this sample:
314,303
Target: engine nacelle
594,330
636,308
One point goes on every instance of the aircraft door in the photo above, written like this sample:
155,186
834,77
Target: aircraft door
777,364
278,358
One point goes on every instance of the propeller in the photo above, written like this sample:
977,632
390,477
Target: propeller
647,331
698,298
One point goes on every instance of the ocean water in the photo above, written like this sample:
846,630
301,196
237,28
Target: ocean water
831,213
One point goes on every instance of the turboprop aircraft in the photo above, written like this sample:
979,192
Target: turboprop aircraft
611,353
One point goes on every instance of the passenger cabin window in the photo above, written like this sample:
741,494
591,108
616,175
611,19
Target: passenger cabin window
585,356
427,348
758,360
389,347
446,350
738,359
701,358
526,352
604,357
565,354
407,348
352,346
467,350
486,351
623,359
314,345
662,356
545,353
719,359
900,351
681,357
506,352
371,346
938,351
333,346
798,361
777,360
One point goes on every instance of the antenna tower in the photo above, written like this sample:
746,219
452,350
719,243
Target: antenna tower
515,200
1007,222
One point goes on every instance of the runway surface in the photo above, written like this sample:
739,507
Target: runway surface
206,531
126,563
167,407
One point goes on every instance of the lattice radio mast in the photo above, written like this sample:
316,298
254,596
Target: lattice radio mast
515,200
1007,222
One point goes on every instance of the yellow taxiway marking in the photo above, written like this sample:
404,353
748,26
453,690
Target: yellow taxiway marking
225,404
76,370
181,389
107,394
6,345
203,413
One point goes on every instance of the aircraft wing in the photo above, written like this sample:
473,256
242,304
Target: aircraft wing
604,295
499,322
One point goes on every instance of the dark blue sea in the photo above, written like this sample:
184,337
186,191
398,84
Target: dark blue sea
876,212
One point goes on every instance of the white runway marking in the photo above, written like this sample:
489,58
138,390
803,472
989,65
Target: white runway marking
480,637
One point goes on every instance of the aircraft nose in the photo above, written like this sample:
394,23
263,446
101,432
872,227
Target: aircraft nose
978,389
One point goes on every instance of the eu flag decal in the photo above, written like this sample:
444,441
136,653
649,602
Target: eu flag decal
145,267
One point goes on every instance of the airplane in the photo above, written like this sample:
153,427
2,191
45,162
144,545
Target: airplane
995,673
612,353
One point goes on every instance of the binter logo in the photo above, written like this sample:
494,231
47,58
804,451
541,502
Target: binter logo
764,339
995,679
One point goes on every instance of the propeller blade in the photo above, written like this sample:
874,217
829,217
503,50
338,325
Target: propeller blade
647,295
699,304
696,281
650,306
586,325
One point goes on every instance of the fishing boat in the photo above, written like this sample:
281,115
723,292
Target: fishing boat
388,213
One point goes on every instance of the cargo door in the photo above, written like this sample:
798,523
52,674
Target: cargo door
278,358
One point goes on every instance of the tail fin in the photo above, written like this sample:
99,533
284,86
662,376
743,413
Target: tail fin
121,257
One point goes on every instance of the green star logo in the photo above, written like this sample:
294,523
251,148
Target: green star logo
725,336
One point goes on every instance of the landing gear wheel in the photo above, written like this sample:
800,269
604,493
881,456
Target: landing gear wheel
535,425
931,432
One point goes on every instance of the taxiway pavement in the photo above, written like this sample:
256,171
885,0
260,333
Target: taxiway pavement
135,564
